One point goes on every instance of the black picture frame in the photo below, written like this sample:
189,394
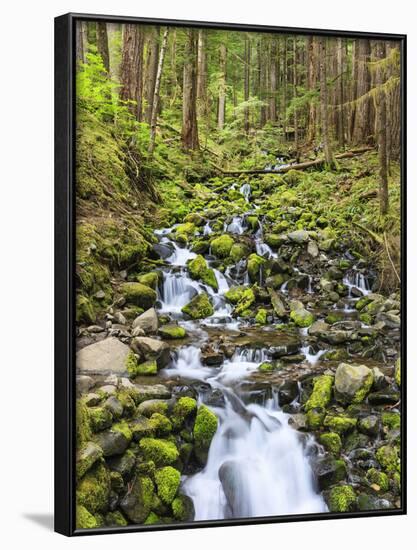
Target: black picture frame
65,263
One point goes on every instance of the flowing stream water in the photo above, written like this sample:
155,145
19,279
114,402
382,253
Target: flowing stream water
258,465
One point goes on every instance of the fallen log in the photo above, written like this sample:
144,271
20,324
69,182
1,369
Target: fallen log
300,166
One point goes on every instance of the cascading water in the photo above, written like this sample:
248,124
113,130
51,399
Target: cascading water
356,279
257,464
246,191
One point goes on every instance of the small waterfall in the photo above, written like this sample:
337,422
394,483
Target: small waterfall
176,291
237,226
207,230
262,249
180,256
356,279
246,191
311,358
257,464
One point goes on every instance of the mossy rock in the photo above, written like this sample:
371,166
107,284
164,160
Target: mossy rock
137,503
341,499
185,231
160,451
334,317
184,408
116,519
148,368
255,264
138,294
152,519
391,420
340,424
87,456
387,456
161,424
247,299
239,251
84,312
172,332
378,478
301,317
100,418
84,519
274,240
167,482
321,394
397,372
199,307
314,418
82,423
93,490
204,429
183,508
221,246
331,442
235,294
199,270
292,177
194,218
149,279
261,316
253,222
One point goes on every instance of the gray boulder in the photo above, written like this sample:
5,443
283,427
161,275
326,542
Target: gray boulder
107,356
352,382
152,350
147,321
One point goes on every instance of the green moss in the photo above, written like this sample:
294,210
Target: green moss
302,317
331,442
84,310
235,294
167,481
172,332
185,230
255,264
342,499
253,222
183,508
85,520
387,456
127,402
238,251
149,279
138,294
152,519
267,366
162,452
116,482
161,424
148,368
261,316
292,177
115,519
274,240
87,456
321,394
365,318
379,478
364,389
392,420
100,418
82,422
247,299
340,424
199,307
199,270
221,246
334,317
184,408
314,418
123,427
362,302
204,429
93,489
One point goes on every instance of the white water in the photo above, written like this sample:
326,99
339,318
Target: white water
257,464
355,279
246,191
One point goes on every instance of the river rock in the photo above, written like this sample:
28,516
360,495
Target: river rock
300,316
353,382
87,456
336,337
287,392
152,350
137,502
369,425
313,249
232,476
384,397
112,442
328,471
147,321
199,307
318,328
300,236
107,356
277,303
83,383
144,392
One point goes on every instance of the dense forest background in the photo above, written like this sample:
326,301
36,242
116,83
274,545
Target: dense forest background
161,110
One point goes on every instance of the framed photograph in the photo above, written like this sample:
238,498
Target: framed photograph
230,274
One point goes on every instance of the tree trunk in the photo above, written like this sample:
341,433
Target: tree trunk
273,82
340,121
284,89
131,68
103,44
202,99
381,128
363,127
151,68
189,132
81,44
222,87
294,82
328,151
247,81
155,102
312,84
